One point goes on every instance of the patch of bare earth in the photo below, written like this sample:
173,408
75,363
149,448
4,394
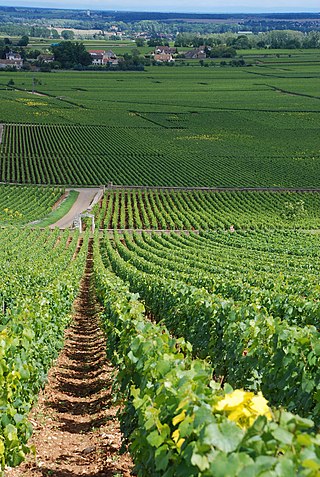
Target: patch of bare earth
76,432
59,201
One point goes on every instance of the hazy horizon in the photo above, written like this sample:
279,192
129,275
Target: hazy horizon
177,6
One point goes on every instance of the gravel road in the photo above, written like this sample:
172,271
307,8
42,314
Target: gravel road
82,203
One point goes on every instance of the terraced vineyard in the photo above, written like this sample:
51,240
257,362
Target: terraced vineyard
23,204
200,210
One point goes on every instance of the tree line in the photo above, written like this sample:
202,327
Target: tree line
276,39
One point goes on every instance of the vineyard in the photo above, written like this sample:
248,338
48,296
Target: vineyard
189,424
220,299
39,280
22,204
200,210
202,304
237,312
236,127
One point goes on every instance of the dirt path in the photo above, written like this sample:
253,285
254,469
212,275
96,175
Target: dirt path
85,198
1,132
76,432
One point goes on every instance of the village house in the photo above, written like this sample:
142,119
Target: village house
13,56
163,58
165,50
110,58
102,57
196,54
45,58
97,56
143,35
12,60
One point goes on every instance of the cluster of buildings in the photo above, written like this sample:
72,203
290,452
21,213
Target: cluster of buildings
165,54
104,58
99,57
196,54
15,60
12,60
161,54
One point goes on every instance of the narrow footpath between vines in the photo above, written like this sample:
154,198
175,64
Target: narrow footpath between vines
76,432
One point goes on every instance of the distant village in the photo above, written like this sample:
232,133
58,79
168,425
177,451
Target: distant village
161,54
67,51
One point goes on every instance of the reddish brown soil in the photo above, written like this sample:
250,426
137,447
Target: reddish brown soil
76,432
59,201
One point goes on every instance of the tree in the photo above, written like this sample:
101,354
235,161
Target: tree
241,43
140,42
312,40
222,51
24,40
285,39
70,54
155,42
135,52
22,53
261,44
54,34
67,34
184,40
10,82
33,53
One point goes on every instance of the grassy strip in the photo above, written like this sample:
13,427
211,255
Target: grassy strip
62,210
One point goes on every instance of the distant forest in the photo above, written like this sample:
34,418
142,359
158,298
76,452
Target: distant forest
215,23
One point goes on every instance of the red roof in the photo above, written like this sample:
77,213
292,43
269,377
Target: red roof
96,52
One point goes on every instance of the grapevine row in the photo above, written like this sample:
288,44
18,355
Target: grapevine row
89,154
39,280
179,421
161,210
23,204
248,331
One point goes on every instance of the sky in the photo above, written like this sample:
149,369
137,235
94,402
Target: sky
194,6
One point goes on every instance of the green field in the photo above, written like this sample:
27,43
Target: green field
178,126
